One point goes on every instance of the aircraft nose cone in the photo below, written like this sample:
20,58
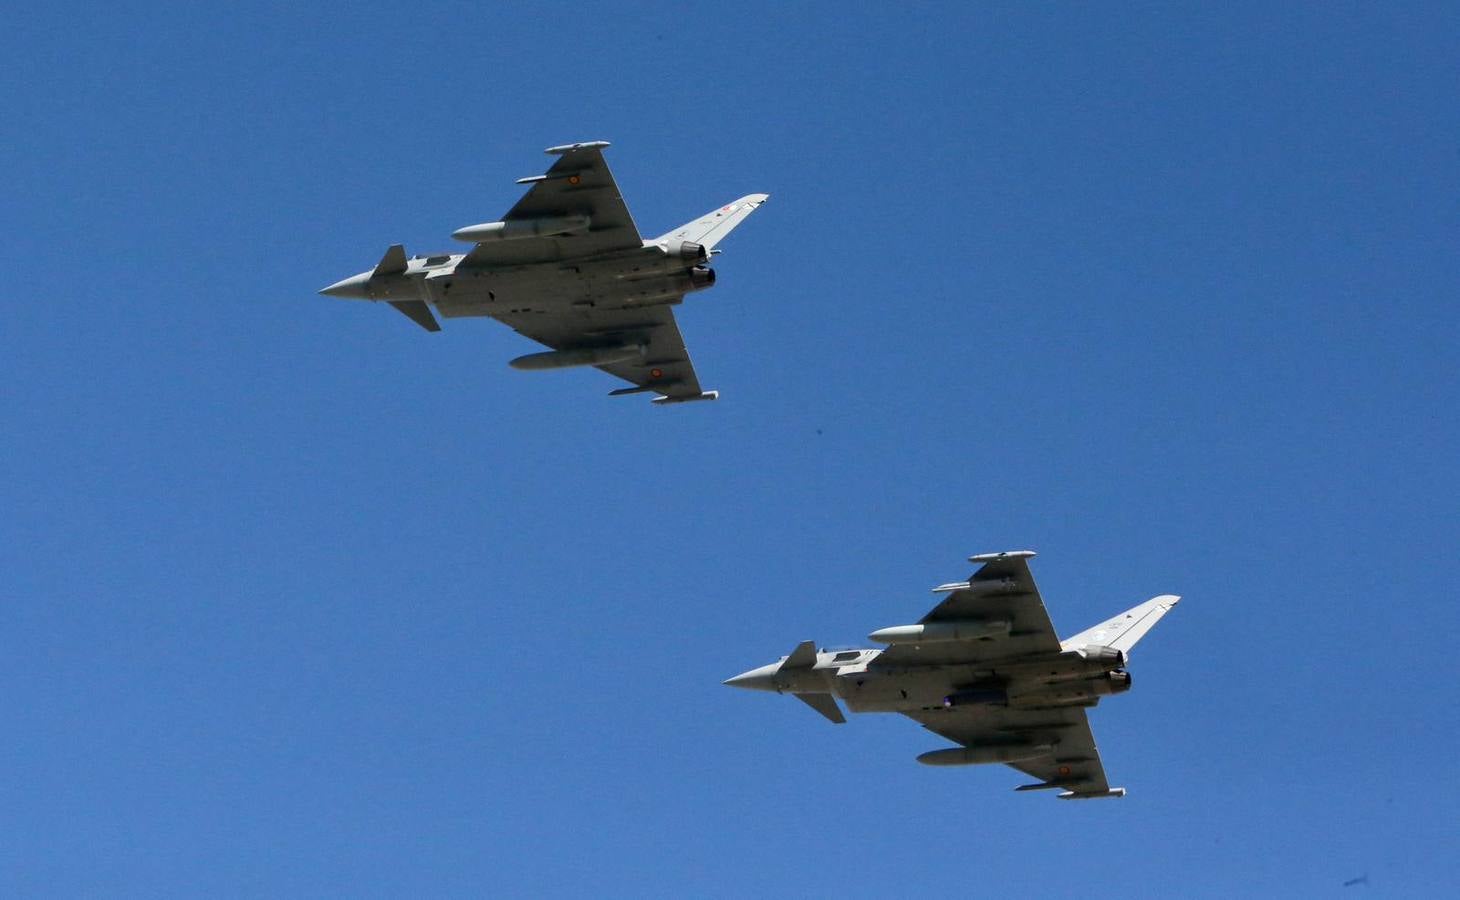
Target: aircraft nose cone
761,679
356,287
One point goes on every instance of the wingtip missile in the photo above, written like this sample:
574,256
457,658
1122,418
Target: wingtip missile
686,398
1005,554
1091,795
568,148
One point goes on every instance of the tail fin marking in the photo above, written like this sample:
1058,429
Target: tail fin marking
1123,631
711,228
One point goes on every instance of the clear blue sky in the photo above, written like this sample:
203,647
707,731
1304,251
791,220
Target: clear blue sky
301,600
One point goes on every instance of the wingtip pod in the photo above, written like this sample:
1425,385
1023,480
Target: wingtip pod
687,398
1091,795
560,149
1004,554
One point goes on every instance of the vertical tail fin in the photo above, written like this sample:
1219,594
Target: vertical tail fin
1123,631
711,228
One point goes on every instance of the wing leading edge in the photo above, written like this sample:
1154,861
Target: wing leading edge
1001,591
579,183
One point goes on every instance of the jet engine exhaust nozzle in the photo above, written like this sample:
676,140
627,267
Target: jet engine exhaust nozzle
686,250
700,278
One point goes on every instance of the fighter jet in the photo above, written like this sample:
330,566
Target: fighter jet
567,267
985,670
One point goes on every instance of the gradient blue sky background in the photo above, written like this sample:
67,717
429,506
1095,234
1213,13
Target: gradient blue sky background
301,600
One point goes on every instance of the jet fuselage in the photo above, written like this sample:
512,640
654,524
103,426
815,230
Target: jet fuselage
656,273
1069,678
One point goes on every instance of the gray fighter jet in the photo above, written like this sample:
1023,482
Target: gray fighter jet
567,267
983,669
